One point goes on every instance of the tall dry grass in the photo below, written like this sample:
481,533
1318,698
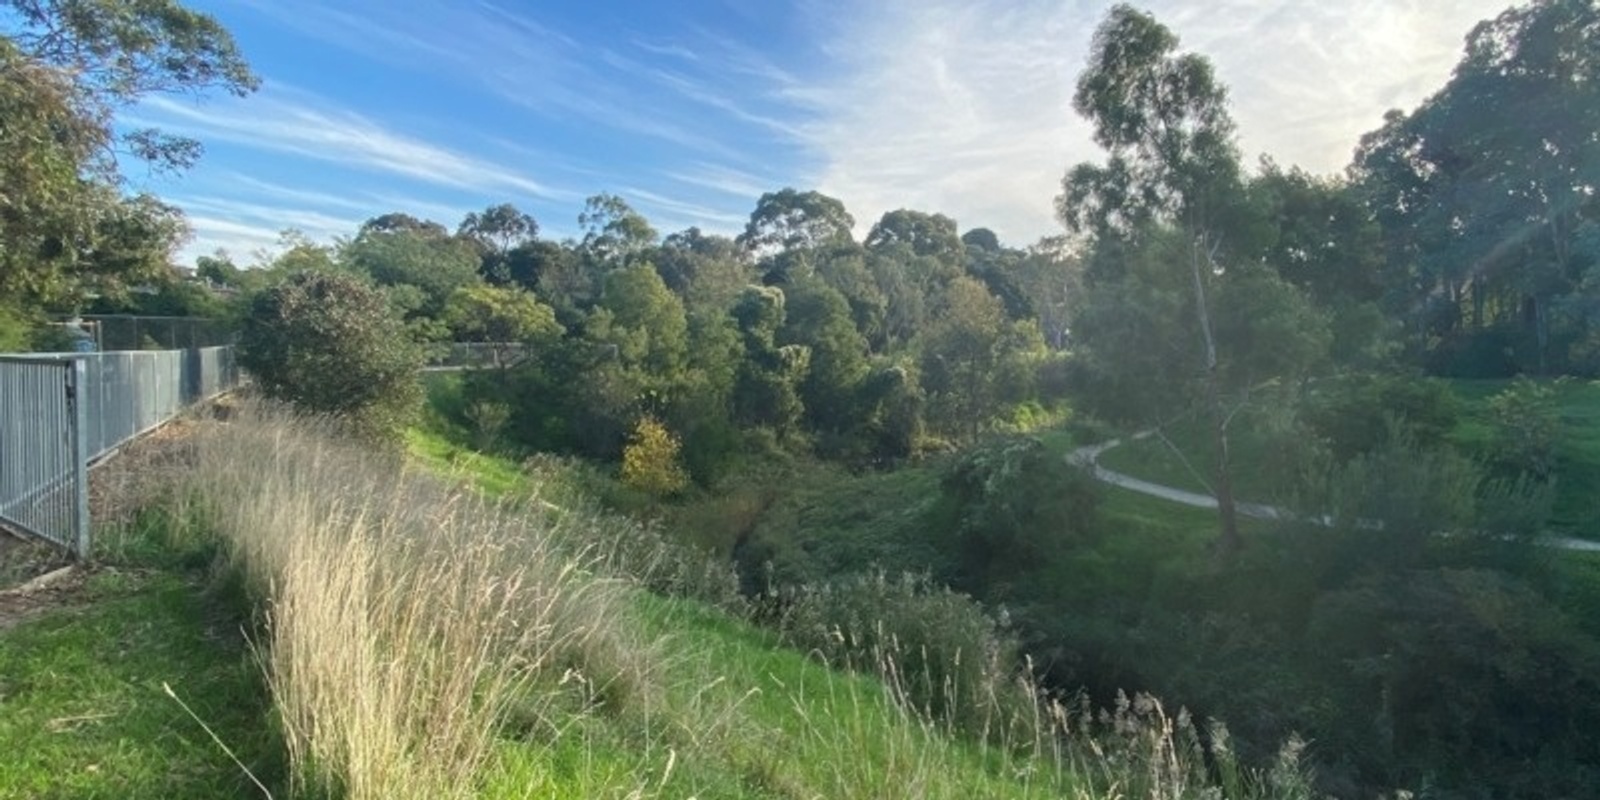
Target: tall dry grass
952,674
402,620
405,622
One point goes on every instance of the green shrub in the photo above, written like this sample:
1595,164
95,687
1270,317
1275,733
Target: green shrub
940,651
488,421
46,338
445,405
16,329
712,444
329,344
1353,414
1017,505
1527,423
1467,671
1033,416
1403,504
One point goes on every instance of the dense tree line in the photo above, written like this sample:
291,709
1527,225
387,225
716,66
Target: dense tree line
792,332
1485,196
1459,243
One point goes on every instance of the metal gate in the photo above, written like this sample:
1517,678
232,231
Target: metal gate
44,481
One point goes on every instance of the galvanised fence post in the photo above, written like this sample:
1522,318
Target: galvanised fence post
78,408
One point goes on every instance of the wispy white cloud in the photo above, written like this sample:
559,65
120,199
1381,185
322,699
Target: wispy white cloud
347,27
243,242
730,105
688,116
272,207
248,229
307,128
739,58
314,224
965,108
516,57
667,210
669,49
1308,78
308,198
726,180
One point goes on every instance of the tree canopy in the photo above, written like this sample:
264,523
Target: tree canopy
790,219
66,68
1163,119
1488,219
1168,321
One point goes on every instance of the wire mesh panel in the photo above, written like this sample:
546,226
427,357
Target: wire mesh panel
119,332
43,468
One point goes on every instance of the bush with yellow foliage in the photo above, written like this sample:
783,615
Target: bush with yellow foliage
650,461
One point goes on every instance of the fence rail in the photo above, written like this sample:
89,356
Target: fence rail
60,413
475,355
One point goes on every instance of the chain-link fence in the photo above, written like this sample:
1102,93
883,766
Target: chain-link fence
111,332
454,356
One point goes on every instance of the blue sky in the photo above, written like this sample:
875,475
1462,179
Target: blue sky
690,110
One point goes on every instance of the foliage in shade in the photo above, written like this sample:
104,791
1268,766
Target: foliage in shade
1489,222
1527,422
1016,505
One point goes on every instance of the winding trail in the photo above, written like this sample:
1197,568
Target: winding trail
1088,457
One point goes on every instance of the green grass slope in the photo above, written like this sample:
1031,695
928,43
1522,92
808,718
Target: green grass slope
83,707
1577,452
682,700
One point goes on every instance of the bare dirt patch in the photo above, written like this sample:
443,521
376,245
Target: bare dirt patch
141,472
36,576
57,588
23,558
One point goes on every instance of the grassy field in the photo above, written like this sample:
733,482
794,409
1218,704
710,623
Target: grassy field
754,719
1185,459
1577,502
84,711
741,716
729,711
1262,471
424,644
827,522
